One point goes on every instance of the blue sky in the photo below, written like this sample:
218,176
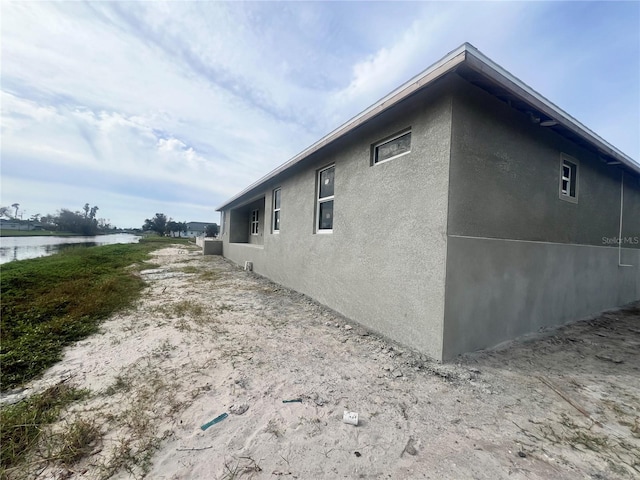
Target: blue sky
145,107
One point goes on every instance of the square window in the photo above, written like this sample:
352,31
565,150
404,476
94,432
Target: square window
569,179
392,148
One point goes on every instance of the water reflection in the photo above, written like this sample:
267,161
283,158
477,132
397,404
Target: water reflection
22,248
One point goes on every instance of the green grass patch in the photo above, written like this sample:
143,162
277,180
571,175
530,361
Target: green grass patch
35,233
23,422
208,276
51,302
189,269
181,309
75,442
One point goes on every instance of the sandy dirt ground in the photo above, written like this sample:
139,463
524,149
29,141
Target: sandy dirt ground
209,339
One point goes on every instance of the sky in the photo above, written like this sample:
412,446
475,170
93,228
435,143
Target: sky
151,107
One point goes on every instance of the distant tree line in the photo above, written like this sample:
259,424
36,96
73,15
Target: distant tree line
162,225
82,222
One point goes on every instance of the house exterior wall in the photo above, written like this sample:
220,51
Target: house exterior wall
519,257
459,245
384,264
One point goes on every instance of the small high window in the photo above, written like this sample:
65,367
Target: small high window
569,178
324,211
276,210
389,149
254,222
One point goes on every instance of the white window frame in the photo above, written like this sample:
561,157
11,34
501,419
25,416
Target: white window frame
273,219
376,146
255,222
568,162
321,200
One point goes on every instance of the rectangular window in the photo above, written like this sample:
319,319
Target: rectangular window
569,178
276,210
254,222
392,148
324,210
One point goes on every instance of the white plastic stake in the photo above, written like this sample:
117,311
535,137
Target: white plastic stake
350,417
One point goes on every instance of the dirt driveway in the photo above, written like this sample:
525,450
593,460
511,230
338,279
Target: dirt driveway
210,339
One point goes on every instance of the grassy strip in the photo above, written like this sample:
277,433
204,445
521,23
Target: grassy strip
50,302
35,233
23,422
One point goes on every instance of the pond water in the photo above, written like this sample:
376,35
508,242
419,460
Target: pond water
21,248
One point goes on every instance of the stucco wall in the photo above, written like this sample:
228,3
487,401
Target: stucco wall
210,246
384,264
505,179
519,257
500,289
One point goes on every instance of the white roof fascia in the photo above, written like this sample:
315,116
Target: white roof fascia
470,55
435,71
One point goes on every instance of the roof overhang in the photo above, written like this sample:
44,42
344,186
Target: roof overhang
481,71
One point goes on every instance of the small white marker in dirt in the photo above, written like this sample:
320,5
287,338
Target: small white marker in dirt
350,417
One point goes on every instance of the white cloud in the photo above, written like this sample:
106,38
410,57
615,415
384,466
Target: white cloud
170,145
206,97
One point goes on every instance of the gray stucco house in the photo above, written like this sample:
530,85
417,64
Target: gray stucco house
460,211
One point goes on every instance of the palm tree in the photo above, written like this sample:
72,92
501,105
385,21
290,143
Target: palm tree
16,205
